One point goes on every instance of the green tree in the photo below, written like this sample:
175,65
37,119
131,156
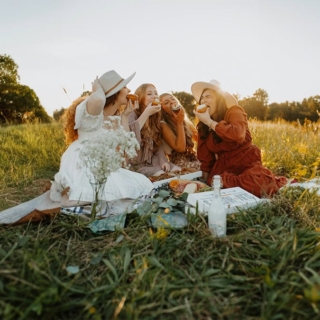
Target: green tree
187,101
8,71
17,101
57,114
261,96
256,106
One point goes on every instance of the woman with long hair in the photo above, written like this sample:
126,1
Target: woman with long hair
225,145
145,122
179,134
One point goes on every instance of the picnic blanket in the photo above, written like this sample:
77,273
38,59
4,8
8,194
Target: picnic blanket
34,210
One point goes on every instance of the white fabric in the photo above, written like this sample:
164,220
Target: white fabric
313,184
122,184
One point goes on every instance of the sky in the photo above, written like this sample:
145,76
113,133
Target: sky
60,46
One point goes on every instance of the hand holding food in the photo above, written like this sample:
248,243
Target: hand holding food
131,105
152,109
202,113
176,109
156,102
179,116
202,108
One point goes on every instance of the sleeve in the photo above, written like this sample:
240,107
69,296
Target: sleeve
161,156
234,127
134,125
205,156
84,120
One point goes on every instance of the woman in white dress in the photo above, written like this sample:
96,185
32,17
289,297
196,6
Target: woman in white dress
85,119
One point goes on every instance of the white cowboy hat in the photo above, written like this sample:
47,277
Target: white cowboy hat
111,82
198,87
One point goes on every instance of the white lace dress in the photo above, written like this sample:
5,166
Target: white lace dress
122,184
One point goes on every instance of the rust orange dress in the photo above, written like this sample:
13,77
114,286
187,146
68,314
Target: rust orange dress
235,158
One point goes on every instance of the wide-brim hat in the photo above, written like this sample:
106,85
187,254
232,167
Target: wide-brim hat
111,82
198,87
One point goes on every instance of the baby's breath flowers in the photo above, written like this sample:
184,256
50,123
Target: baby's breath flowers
106,152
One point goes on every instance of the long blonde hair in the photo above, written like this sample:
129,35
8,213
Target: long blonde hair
189,128
152,125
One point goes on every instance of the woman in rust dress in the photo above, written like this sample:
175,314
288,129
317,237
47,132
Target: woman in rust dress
225,144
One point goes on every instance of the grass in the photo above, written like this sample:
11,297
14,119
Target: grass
266,268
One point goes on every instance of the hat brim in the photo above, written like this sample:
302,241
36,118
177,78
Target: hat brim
198,87
121,85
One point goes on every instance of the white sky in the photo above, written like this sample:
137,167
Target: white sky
244,44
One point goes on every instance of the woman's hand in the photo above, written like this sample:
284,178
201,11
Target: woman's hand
165,167
96,85
150,109
179,117
130,107
203,117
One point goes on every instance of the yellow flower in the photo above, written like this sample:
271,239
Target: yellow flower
92,310
161,233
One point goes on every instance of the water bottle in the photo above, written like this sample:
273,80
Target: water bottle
217,213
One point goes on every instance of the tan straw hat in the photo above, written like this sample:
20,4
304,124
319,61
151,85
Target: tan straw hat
198,87
111,82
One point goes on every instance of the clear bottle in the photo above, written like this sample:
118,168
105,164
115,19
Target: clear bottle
217,213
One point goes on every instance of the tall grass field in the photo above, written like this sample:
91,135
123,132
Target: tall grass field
267,267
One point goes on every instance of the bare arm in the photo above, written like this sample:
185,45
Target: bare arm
176,142
97,99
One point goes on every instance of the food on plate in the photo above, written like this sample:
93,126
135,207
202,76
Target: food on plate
178,185
190,188
202,108
132,97
163,176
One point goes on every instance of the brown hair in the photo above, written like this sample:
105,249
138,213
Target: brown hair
68,117
152,125
189,128
217,116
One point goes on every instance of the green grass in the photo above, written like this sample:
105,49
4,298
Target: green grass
266,268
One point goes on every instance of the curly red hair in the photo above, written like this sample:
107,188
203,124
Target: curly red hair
68,118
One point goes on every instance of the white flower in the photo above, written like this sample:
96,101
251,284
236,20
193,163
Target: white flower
107,151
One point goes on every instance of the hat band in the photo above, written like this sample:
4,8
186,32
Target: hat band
114,86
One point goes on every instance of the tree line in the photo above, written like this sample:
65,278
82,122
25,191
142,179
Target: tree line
19,103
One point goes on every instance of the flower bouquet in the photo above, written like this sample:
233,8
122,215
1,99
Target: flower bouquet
106,152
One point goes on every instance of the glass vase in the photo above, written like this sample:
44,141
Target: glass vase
99,207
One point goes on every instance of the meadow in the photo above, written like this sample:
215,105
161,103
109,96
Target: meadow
266,268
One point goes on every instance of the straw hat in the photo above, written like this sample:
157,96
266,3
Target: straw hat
111,82
198,87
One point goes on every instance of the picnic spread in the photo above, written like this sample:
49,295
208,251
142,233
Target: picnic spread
174,196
